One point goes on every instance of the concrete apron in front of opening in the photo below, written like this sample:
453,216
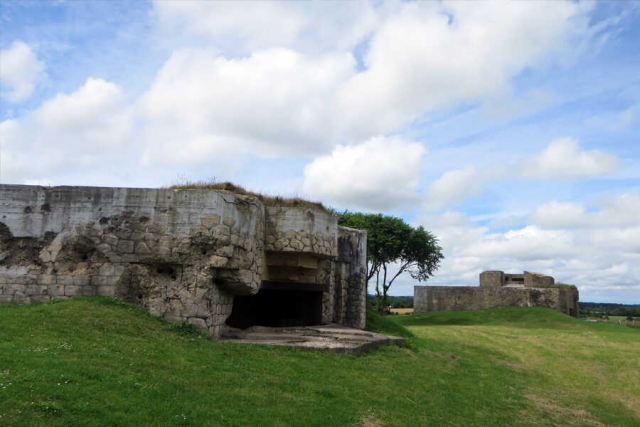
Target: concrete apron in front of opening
336,338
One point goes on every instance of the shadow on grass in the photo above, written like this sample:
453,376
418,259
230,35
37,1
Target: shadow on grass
385,325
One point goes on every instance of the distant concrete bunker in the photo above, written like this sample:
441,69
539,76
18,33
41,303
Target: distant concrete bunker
209,257
497,290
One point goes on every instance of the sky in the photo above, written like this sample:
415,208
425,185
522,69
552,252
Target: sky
509,130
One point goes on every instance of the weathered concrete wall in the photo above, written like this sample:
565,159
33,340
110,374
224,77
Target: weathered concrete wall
444,298
301,230
181,254
349,292
498,290
492,278
159,248
531,280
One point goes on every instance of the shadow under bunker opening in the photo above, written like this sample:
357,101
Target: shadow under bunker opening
279,306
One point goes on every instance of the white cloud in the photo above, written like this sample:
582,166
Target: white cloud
458,185
621,211
20,71
248,26
275,103
379,174
431,55
558,215
70,131
626,118
597,249
527,244
416,60
563,159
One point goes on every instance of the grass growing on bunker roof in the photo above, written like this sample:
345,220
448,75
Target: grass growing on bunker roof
295,202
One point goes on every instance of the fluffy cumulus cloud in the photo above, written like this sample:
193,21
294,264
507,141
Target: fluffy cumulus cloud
276,102
416,57
246,26
78,131
20,71
621,211
459,185
559,214
377,175
563,159
431,55
596,247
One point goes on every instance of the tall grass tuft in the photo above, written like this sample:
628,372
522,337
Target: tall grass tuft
296,202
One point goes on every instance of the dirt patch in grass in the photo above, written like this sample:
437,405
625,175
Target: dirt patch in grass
371,421
564,416
402,310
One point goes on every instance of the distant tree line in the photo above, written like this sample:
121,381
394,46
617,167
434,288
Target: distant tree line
597,309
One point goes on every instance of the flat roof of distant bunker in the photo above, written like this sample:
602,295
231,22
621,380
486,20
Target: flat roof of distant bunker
216,259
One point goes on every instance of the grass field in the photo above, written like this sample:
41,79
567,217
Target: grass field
97,362
402,310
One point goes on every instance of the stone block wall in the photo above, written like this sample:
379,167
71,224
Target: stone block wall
180,254
301,230
494,292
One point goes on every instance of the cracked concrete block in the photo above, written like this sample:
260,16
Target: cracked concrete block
72,290
200,231
225,251
210,220
45,256
110,239
125,246
142,248
55,290
83,280
218,261
199,323
221,230
65,280
107,270
123,233
47,279
289,234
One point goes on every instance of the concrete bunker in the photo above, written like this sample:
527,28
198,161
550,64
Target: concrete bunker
496,290
213,258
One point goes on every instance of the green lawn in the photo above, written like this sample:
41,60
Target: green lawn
95,362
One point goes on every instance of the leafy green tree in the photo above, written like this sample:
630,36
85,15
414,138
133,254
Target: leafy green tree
391,241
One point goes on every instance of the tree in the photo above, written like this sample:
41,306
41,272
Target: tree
390,241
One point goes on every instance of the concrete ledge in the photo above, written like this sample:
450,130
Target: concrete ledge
335,338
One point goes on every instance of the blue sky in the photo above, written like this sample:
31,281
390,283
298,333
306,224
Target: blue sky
508,129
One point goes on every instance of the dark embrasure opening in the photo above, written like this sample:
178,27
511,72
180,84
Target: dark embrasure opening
277,308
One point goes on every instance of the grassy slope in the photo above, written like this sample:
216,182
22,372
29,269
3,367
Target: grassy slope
92,362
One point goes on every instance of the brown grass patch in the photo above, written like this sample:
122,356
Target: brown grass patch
371,421
564,416
292,202
402,310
